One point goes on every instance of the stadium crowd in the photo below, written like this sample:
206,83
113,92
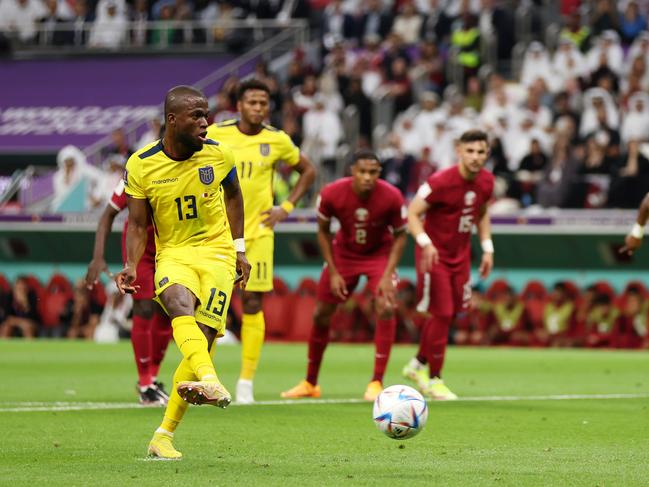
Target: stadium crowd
569,128
564,316
568,115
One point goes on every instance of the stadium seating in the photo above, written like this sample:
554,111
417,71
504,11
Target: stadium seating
52,308
5,286
307,286
277,314
301,318
280,287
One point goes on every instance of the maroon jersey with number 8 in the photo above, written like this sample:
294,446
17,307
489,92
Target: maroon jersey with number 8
366,226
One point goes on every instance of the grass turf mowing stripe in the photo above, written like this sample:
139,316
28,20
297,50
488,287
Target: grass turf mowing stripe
19,407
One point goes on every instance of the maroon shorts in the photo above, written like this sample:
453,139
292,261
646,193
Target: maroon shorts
444,292
145,273
351,270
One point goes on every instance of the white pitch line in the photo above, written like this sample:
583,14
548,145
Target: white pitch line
20,407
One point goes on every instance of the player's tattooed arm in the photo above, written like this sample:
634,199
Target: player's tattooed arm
136,236
325,239
234,210
633,239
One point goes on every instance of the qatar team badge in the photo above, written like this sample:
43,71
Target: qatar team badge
264,149
206,174
361,214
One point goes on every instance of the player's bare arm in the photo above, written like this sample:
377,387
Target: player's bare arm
484,233
234,209
98,263
279,213
416,210
136,237
386,287
325,238
633,239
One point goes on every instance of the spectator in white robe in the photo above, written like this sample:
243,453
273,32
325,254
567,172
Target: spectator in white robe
408,23
322,132
110,27
19,17
635,126
536,64
72,169
568,63
639,48
595,99
426,118
608,44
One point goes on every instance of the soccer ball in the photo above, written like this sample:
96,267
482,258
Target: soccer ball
400,412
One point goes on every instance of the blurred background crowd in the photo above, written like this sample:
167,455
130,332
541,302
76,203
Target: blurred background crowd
564,99
535,316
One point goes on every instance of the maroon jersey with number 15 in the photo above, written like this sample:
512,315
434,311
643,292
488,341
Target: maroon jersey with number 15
366,226
455,205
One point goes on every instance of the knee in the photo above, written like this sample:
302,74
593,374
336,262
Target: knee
322,317
179,304
384,311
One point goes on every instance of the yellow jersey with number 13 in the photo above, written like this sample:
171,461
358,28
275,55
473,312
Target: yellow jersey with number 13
256,157
185,196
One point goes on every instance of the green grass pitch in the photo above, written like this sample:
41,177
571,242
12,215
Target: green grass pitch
557,436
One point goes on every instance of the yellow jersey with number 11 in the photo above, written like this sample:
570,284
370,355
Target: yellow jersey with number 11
185,196
256,157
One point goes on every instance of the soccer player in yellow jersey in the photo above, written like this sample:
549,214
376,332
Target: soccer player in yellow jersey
258,148
189,186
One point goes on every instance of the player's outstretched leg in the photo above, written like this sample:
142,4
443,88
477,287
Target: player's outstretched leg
205,392
194,346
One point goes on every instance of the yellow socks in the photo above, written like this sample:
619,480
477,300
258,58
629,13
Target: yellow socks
253,329
176,406
193,345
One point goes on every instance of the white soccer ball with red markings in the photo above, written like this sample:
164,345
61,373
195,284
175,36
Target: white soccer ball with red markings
400,412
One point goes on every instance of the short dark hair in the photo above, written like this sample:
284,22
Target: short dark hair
178,93
251,84
474,136
365,154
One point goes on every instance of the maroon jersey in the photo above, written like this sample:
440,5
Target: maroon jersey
366,226
118,201
455,205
